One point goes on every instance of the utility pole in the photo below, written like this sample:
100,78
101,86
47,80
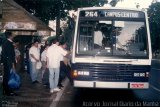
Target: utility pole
58,19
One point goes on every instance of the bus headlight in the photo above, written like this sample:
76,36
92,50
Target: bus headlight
75,73
80,73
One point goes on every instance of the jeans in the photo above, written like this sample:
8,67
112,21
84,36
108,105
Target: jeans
53,77
45,73
43,69
45,79
35,73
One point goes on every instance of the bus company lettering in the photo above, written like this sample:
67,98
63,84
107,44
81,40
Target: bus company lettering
122,14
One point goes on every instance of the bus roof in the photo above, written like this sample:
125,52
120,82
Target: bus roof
95,8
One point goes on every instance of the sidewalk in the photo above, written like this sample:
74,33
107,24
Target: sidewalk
29,95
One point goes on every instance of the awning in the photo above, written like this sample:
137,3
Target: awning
21,22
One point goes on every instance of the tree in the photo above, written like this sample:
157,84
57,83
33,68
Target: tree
58,9
154,20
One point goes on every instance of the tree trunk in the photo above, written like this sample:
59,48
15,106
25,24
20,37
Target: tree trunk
58,21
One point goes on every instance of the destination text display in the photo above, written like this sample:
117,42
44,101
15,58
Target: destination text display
112,13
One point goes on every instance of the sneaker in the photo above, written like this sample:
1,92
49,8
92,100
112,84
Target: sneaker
51,90
56,89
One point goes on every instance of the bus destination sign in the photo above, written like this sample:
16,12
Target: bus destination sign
112,13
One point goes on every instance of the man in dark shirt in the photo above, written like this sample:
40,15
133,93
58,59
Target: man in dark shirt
8,59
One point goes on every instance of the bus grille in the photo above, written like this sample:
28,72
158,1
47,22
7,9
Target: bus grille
113,72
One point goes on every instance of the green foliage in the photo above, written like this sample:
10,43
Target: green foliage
114,2
49,9
154,20
50,39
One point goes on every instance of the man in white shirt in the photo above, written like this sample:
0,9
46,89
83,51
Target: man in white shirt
54,55
64,66
34,56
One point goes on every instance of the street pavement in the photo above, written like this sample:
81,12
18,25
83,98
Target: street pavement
155,75
77,97
30,95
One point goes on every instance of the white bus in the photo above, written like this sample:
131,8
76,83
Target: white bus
111,48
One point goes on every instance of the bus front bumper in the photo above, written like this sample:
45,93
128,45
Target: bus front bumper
122,85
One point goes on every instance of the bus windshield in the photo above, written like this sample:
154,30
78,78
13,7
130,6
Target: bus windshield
112,38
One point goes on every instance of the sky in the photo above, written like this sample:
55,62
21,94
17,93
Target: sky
132,3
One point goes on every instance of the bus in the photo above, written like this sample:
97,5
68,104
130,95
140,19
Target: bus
111,48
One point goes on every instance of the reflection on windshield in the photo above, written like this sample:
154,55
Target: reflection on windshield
112,38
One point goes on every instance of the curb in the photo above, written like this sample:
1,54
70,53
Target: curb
59,94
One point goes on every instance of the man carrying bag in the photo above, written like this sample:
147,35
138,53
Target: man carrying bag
8,59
